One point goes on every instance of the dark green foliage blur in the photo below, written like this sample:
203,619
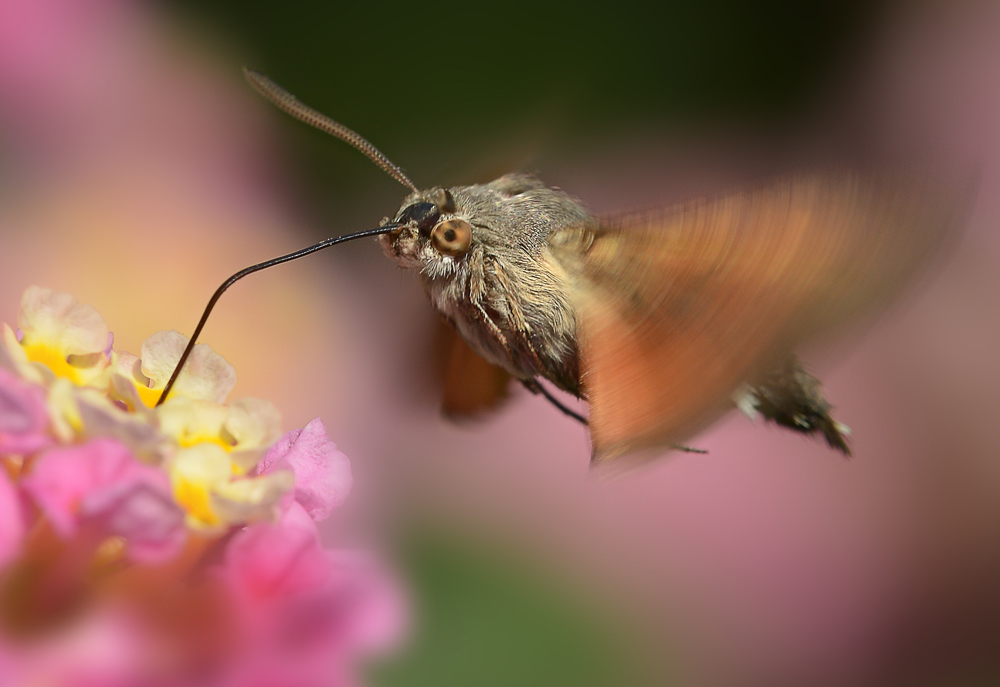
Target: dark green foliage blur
435,67
431,82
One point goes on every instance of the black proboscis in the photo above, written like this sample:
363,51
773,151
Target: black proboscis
326,243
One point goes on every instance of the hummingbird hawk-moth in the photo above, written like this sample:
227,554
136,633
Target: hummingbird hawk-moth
664,320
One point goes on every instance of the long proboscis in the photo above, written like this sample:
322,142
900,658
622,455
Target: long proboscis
288,103
326,243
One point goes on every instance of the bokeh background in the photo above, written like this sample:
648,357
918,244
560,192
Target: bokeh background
137,171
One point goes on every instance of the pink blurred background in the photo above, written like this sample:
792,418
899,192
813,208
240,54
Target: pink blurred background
137,172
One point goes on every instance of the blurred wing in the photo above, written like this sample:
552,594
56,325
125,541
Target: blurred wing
470,385
677,309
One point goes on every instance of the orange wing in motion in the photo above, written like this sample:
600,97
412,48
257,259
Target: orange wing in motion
678,309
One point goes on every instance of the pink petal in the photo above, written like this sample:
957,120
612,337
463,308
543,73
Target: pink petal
322,473
62,476
272,560
100,482
376,603
310,611
142,511
109,647
23,417
12,521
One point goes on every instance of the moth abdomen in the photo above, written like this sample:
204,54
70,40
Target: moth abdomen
791,397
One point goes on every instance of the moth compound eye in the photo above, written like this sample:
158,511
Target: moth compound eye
423,214
452,237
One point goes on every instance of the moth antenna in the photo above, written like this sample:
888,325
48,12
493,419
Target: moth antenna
287,102
326,243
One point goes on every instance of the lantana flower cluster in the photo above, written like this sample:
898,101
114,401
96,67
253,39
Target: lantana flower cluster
172,544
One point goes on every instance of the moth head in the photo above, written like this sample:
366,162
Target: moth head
432,236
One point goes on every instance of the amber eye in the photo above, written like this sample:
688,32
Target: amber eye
452,237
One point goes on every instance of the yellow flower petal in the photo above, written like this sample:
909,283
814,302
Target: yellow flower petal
93,374
194,473
60,338
206,376
253,498
59,321
253,423
13,357
190,422
139,431
63,411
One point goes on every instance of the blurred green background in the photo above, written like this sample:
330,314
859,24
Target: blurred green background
435,83
432,84
489,616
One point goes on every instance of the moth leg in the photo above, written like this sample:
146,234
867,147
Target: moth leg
494,329
517,318
477,292
688,449
535,387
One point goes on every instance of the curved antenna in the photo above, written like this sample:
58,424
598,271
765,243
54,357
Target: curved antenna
326,243
284,100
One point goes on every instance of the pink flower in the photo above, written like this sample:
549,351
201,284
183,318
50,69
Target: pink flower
268,561
116,567
322,473
23,416
101,484
306,609
106,649
12,521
